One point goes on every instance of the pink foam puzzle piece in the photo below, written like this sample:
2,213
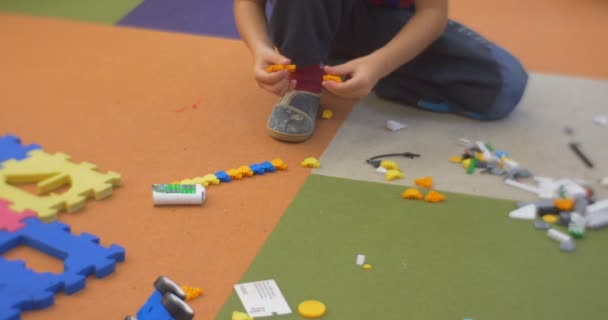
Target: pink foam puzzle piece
10,220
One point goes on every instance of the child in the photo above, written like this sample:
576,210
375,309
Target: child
403,50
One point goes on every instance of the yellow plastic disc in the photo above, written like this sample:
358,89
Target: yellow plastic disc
311,309
550,218
367,266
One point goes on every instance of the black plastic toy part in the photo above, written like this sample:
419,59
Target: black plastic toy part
376,160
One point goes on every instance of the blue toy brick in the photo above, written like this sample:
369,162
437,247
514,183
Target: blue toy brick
223,176
11,148
22,289
267,166
153,309
257,169
501,154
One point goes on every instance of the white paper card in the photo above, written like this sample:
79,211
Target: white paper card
262,298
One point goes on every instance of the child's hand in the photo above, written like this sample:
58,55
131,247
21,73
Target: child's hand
363,78
275,82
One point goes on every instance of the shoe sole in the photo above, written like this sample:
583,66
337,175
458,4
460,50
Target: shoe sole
288,137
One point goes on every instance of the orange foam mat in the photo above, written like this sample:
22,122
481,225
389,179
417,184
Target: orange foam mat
551,36
112,96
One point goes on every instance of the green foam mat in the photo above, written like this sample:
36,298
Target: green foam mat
463,258
98,11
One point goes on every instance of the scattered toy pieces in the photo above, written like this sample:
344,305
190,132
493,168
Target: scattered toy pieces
311,163
395,125
426,182
434,196
312,309
375,161
192,292
367,266
527,212
412,194
327,114
392,174
389,165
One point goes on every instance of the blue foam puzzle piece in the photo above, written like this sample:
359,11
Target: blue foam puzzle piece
267,166
223,176
11,148
82,255
22,289
257,169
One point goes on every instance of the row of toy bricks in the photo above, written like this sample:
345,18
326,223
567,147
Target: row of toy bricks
238,173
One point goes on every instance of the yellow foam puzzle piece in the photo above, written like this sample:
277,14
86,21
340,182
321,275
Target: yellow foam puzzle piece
237,315
394,174
311,163
389,165
278,164
412,193
49,172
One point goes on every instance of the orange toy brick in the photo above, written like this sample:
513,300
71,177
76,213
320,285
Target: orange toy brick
234,174
245,171
191,292
434,196
412,194
329,77
426,182
564,204
280,67
279,164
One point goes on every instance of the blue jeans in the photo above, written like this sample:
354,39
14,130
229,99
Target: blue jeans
461,72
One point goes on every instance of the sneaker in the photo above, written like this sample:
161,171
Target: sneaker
294,117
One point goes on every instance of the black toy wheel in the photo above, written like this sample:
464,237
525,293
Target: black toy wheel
177,307
165,285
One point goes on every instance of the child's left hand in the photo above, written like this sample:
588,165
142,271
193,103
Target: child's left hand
362,74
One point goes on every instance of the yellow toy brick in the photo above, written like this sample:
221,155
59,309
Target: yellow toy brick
327,114
187,181
210,179
237,315
456,159
329,77
466,163
234,174
426,182
50,172
389,165
279,164
245,171
394,174
434,196
479,156
311,163
412,194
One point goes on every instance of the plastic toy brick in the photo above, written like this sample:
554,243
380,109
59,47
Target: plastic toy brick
245,171
268,166
394,174
327,114
311,163
234,174
329,77
426,182
82,255
564,204
223,176
434,196
210,179
257,169
10,220
11,148
456,159
466,163
281,67
165,303
279,164
192,292
237,315
412,193
389,165
52,171
22,289
472,166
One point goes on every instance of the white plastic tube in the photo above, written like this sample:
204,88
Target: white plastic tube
558,236
178,194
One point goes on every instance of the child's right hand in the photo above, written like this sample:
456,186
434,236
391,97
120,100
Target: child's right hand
275,82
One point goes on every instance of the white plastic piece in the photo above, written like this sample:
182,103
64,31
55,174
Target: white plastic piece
360,260
509,164
487,155
571,188
558,236
601,120
465,143
604,182
395,125
597,207
522,186
381,170
598,220
524,213
262,298
178,194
